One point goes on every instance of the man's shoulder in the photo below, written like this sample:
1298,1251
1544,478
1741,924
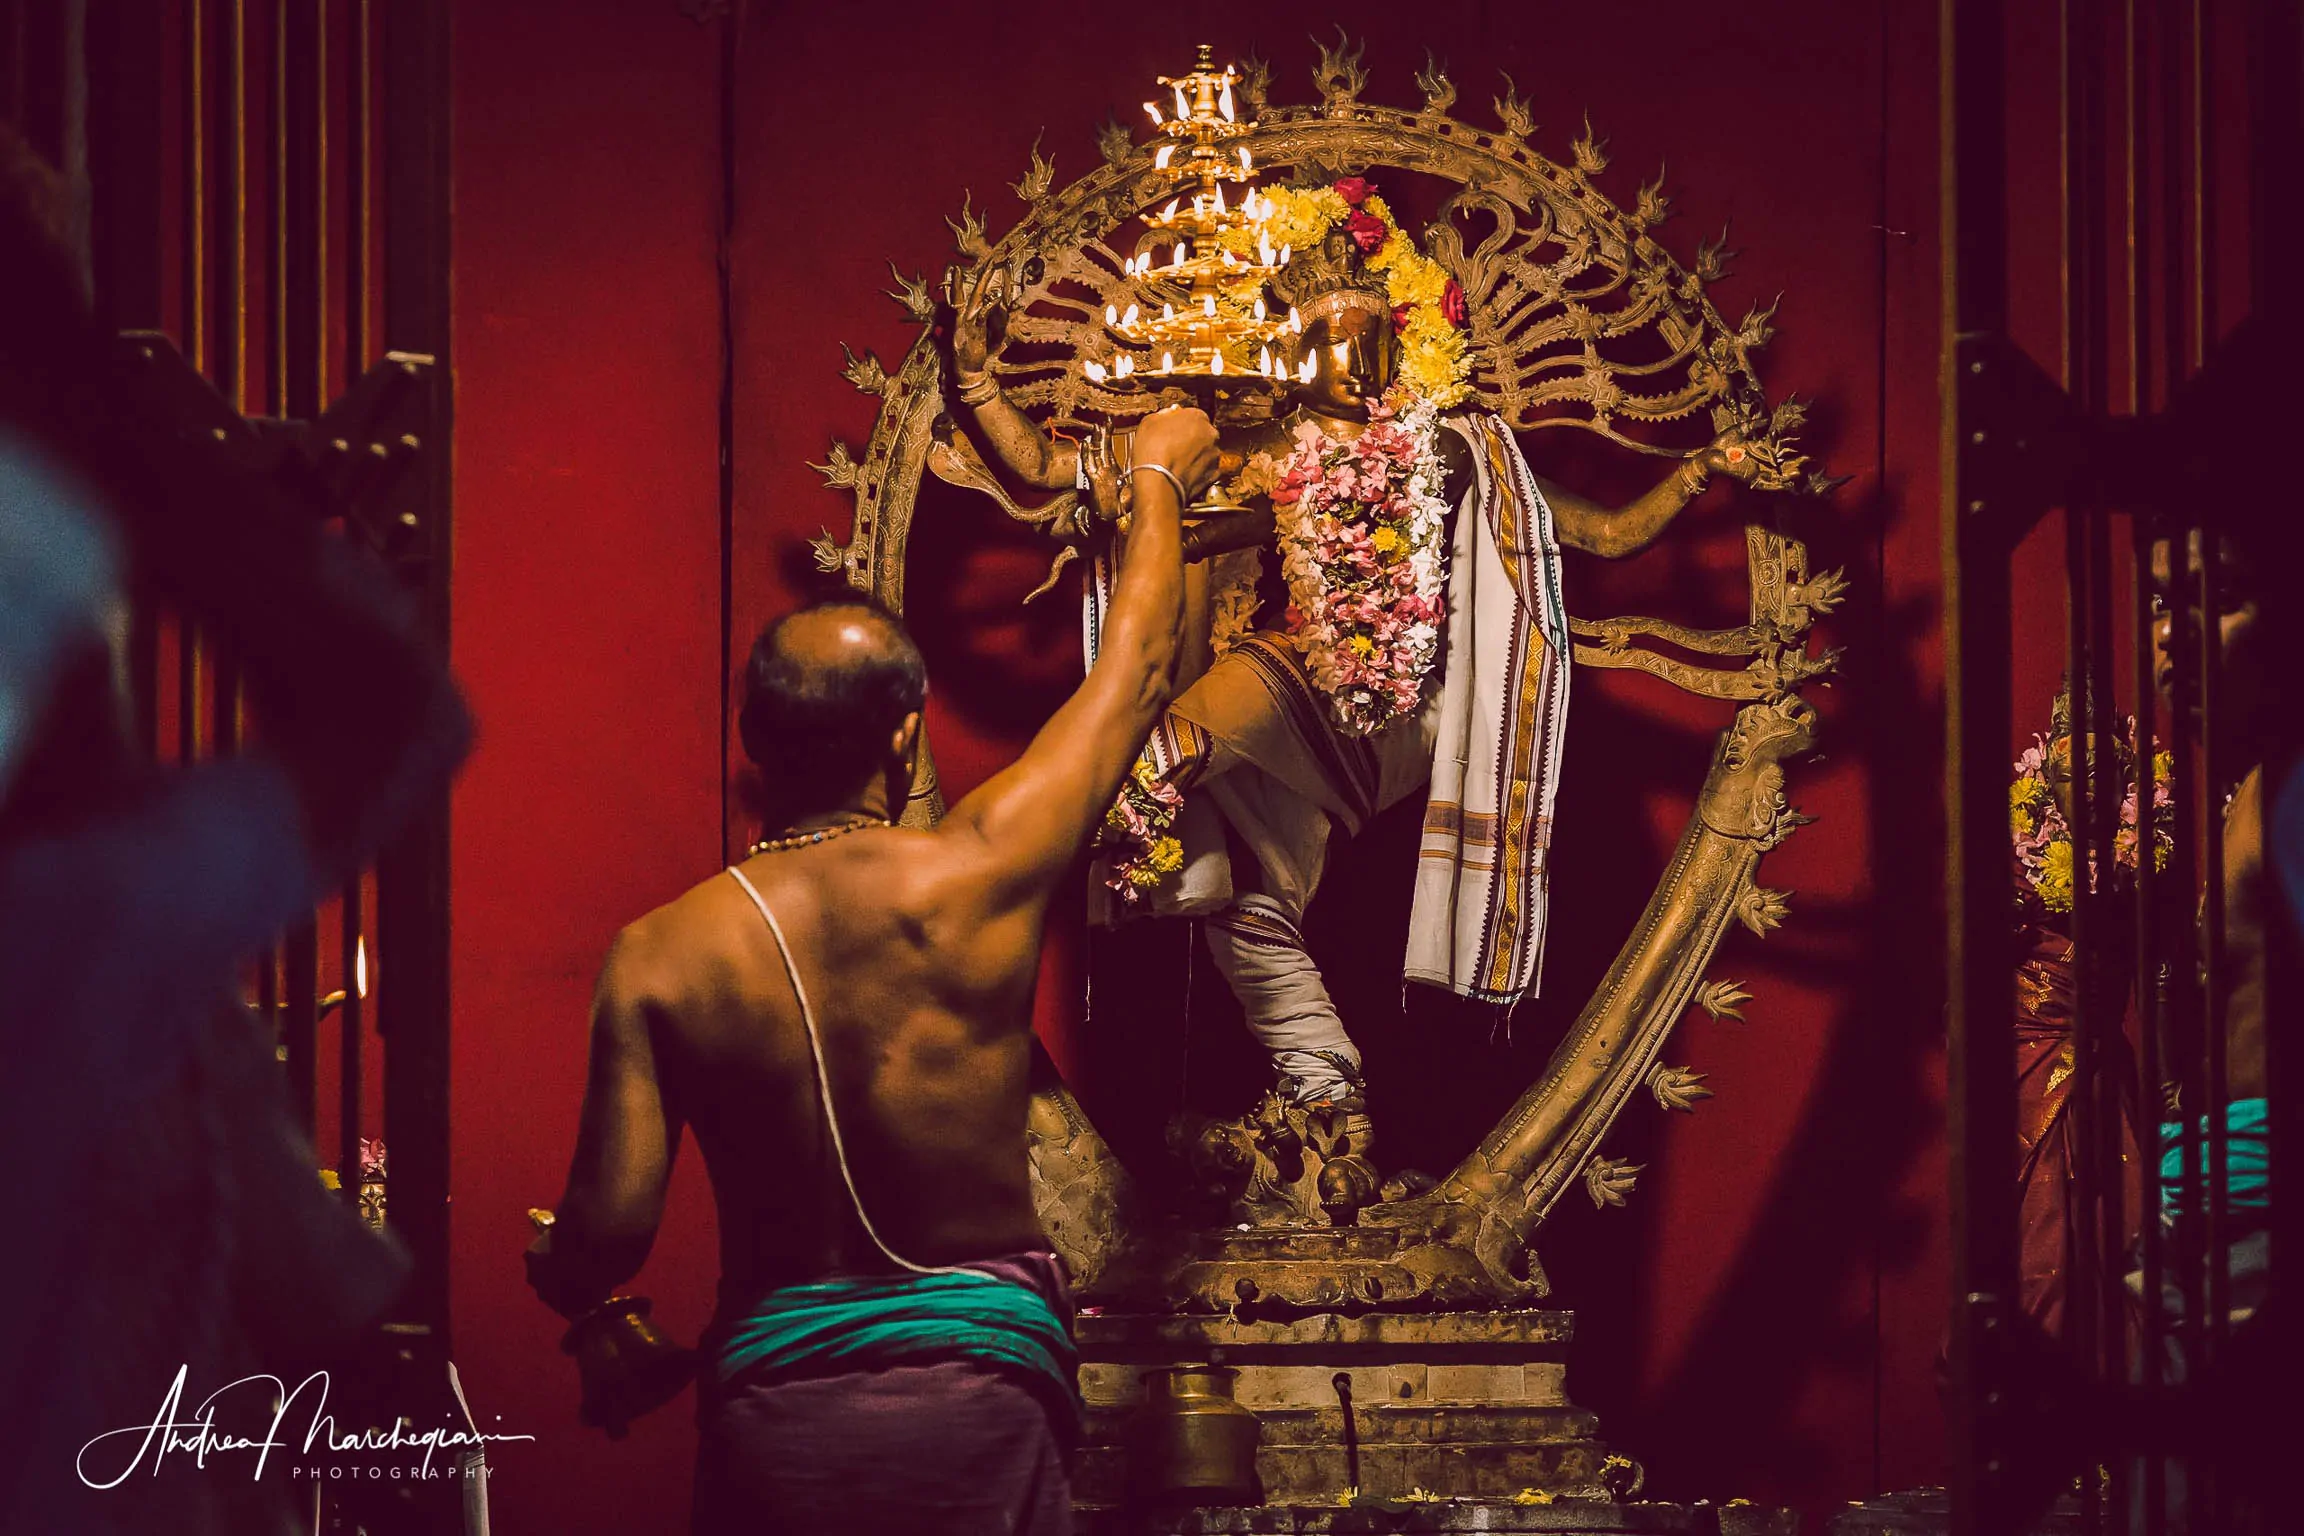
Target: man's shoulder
659,955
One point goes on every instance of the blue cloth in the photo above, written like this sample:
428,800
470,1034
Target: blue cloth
2247,1182
829,1327
2284,819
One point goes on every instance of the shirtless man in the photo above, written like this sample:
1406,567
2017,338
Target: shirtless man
844,1022
2256,735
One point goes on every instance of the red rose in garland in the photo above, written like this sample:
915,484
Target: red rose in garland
1452,306
1367,231
1354,190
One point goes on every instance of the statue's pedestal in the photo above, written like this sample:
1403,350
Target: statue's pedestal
1469,1406
1459,1404
1566,1518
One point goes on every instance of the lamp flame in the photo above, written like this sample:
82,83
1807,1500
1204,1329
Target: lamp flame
1160,160
360,966
1167,362
1154,113
1111,314
1246,164
1179,261
1124,365
1304,372
1224,101
1094,370
1183,110
1128,319
1208,306
1295,322
1216,364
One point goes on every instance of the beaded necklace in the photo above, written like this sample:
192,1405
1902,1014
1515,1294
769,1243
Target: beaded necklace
787,841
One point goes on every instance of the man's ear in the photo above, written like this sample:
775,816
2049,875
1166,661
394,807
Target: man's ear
905,743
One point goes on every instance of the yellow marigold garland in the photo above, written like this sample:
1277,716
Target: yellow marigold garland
1435,362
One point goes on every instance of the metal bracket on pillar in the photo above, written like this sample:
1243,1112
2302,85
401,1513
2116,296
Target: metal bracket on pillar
2019,431
358,461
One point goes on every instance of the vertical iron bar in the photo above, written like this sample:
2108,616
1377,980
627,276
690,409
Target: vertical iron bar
277,383
124,62
2198,143
196,313
196,184
361,279
236,205
2208,1498
319,296
126,65
1981,995
2148,1013
350,1020
2116,1086
300,1020
2085,338
302,292
2151,1014
2183,1003
352,1017
412,877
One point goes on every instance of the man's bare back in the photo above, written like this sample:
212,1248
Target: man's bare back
924,1002
918,950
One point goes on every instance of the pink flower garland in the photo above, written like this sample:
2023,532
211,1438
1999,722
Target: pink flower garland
1360,540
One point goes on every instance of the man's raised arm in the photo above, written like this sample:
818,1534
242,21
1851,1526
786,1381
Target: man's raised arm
1035,816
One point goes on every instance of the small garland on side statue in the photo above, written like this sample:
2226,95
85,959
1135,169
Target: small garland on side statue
2043,838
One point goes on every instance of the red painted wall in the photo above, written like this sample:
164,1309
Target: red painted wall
1762,1320
587,628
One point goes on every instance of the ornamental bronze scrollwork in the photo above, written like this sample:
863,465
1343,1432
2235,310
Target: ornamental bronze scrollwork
1577,318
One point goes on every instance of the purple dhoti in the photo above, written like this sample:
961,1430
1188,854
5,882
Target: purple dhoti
954,1448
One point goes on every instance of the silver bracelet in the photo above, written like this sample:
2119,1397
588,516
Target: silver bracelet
1183,499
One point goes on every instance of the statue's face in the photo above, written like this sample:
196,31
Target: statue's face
1352,355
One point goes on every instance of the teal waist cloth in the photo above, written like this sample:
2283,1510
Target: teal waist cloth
830,1327
2247,1181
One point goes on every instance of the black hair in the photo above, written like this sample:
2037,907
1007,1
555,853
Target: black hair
815,729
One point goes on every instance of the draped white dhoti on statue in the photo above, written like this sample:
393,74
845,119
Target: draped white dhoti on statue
1477,925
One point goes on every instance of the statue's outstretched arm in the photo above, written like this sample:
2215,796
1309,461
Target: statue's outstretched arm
1615,532
1015,439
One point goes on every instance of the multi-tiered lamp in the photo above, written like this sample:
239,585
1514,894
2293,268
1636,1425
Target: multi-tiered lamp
1194,302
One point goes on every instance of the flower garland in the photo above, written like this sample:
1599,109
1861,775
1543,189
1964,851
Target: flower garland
1428,306
1138,842
2044,839
1360,524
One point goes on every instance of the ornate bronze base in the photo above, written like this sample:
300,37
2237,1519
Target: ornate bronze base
1461,1405
1565,1518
